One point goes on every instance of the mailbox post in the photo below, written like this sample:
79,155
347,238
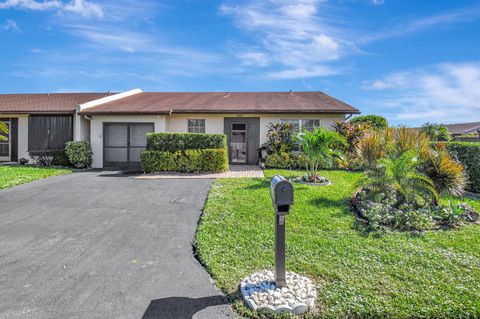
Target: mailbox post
281,191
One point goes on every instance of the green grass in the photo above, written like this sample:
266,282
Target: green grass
15,175
435,274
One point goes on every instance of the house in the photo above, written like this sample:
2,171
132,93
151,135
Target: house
116,124
464,128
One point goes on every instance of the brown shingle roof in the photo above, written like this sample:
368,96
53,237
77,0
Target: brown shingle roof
45,103
463,128
236,102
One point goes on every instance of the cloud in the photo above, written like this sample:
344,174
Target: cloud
462,15
81,7
377,2
445,93
292,37
10,25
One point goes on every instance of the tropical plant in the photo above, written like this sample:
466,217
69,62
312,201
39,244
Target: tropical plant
401,174
3,131
376,122
374,146
279,138
352,132
320,147
436,132
447,174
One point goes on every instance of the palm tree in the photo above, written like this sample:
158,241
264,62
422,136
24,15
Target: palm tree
3,130
401,174
320,147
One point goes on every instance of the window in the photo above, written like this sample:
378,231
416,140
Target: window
304,124
310,125
196,126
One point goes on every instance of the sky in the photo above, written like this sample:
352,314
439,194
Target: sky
408,60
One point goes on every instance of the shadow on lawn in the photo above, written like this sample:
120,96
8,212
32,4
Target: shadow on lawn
180,307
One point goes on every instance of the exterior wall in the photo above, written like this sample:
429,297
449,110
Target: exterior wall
81,128
96,130
22,134
214,122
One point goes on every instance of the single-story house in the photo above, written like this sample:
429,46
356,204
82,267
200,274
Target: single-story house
116,123
464,128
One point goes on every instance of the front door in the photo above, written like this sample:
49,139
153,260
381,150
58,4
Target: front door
5,144
243,139
238,143
124,142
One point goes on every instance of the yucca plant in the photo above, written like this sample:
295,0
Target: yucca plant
401,174
447,174
320,147
374,146
405,139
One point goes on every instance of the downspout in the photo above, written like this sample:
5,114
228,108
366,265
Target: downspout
348,117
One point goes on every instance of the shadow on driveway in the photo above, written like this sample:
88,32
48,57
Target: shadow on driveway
180,307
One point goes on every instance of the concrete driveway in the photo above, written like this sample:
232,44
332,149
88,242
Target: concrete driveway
104,245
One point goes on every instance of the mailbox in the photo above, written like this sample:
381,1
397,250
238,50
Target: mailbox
281,191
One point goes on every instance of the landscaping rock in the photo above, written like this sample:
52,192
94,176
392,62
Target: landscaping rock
260,293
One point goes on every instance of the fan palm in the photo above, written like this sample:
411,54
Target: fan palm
400,173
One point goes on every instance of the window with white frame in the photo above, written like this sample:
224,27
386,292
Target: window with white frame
299,125
196,126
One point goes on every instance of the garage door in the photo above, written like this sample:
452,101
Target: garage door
123,143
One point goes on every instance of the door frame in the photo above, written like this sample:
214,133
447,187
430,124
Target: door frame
9,157
252,137
128,163
246,142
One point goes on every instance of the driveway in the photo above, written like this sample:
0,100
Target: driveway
104,245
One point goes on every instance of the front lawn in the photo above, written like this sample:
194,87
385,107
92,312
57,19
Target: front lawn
435,274
15,175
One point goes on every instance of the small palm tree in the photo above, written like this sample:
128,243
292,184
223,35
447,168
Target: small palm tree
3,130
401,174
320,147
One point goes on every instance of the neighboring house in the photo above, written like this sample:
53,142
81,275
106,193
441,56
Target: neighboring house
116,124
464,128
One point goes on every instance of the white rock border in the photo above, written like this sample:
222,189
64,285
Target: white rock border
260,293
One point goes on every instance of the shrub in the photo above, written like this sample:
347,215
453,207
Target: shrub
436,132
279,138
49,158
373,147
198,160
376,122
285,161
184,141
79,154
468,153
60,158
447,174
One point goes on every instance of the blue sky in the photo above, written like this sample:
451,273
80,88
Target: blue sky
411,61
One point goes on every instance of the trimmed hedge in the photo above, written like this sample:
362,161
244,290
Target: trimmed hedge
79,153
468,153
172,142
199,160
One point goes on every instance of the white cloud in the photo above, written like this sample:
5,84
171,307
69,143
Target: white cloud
444,93
291,36
81,7
377,2
10,25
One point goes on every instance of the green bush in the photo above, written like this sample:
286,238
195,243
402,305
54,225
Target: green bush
376,122
468,153
172,142
190,160
285,160
50,158
79,154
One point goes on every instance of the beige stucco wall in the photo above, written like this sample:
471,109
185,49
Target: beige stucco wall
22,133
81,128
214,122
96,130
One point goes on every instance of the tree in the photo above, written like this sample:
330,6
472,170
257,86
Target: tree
436,132
320,147
3,131
376,122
